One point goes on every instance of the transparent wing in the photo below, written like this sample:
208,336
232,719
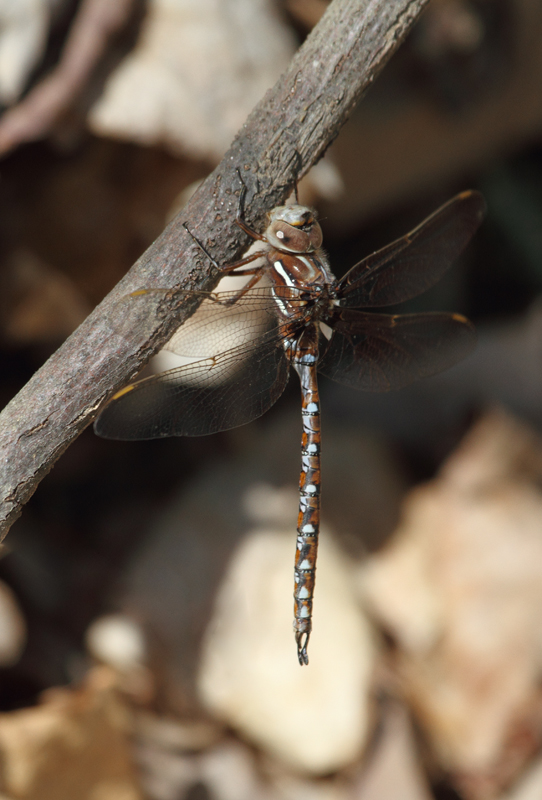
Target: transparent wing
220,324
411,265
214,394
224,389
223,320
379,352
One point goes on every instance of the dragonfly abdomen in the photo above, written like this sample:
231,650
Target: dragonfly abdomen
308,523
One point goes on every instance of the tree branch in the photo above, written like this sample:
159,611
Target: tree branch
286,133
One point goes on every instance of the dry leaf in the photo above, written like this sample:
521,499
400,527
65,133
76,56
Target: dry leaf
529,786
460,589
74,746
394,771
24,25
12,627
44,305
199,68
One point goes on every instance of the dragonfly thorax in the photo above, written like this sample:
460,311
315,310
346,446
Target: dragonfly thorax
301,285
294,229
298,271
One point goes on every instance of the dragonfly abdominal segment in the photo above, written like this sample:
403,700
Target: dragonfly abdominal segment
308,522
301,316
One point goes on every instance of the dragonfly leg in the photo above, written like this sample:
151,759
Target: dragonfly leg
299,160
227,267
241,263
244,227
240,219
256,275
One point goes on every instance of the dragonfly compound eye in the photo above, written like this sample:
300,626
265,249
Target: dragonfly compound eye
294,229
285,237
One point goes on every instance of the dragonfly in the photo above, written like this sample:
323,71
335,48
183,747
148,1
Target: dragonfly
292,312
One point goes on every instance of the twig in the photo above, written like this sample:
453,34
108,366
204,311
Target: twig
34,117
285,134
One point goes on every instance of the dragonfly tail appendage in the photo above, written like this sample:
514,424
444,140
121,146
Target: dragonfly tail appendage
309,511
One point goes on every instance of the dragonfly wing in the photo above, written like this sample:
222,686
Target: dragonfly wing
379,352
411,265
214,394
223,320
220,324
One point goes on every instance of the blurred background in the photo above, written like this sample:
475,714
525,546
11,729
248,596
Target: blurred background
146,649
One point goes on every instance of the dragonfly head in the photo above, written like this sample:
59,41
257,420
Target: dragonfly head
294,229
